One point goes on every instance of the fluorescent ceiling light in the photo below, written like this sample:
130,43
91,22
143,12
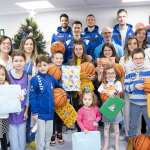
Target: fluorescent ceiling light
124,1
35,4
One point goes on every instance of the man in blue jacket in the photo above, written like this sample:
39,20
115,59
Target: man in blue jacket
122,31
64,32
107,38
92,32
77,29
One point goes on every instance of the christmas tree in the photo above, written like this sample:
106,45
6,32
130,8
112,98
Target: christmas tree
30,28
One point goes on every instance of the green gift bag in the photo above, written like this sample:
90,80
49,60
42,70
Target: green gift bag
112,107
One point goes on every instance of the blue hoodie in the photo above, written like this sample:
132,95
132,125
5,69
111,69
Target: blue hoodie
117,35
148,36
69,52
61,35
41,95
94,37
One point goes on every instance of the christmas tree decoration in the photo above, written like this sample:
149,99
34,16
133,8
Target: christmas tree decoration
32,13
30,28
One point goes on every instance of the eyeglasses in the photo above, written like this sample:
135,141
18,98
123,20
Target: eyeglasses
106,32
108,74
141,33
138,59
4,43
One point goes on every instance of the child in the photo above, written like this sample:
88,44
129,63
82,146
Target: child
57,59
17,121
134,86
88,115
4,122
28,47
111,78
42,102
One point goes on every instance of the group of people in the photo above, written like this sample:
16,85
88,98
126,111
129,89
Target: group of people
29,70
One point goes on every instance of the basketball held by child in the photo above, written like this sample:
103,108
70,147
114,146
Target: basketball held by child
60,97
104,97
88,68
57,46
147,86
54,71
141,142
119,69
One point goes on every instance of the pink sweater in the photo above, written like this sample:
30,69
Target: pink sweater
86,117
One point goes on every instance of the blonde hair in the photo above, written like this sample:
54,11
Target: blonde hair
34,52
127,51
95,100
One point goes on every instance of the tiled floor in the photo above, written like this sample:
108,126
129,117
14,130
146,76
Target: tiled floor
68,142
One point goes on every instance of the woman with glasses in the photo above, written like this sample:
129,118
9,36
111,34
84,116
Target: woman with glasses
6,51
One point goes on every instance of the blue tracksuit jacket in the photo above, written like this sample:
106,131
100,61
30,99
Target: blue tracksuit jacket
41,95
94,37
61,36
117,35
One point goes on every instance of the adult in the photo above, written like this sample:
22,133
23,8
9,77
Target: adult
28,47
107,38
79,57
64,32
77,29
6,52
122,31
92,32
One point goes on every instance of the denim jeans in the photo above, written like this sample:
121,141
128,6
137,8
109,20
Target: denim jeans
134,118
43,135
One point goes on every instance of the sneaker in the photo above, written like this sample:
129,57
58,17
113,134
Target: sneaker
32,144
52,142
112,135
60,139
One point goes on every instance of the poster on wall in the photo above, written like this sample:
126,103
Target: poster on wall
2,32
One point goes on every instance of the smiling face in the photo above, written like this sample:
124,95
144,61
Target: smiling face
5,46
110,74
58,59
138,59
141,35
77,29
87,100
132,44
18,62
78,51
108,52
64,22
28,46
107,34
122,18
90,21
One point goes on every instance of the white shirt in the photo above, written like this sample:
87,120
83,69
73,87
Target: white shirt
9,64
123,33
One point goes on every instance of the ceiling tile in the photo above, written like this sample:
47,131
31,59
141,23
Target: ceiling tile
20,1
64,3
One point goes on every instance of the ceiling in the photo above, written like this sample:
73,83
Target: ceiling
8,7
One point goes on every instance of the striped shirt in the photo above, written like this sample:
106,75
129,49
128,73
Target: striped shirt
131,80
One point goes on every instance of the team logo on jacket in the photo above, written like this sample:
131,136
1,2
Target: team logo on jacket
51,86
40,82
32,89
96,36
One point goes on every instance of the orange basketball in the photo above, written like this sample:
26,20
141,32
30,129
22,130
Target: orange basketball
119,68
54,71
59,46
147,86
104,97
88,68
60,97
141,142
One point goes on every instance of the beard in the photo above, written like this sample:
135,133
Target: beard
65,26
91,26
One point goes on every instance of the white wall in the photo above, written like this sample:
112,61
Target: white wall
49,21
